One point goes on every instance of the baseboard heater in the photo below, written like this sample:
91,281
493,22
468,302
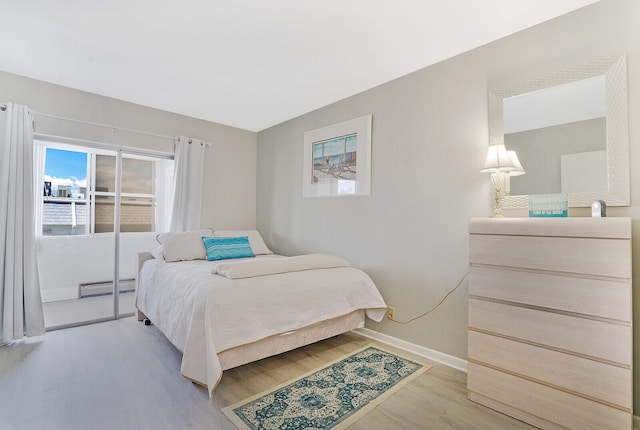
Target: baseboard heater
91,289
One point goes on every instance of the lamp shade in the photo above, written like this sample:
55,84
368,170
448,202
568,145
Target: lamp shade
518,169
497,160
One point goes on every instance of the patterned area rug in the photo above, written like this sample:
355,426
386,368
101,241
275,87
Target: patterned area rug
332,397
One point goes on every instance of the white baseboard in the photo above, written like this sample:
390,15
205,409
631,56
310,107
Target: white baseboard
421,351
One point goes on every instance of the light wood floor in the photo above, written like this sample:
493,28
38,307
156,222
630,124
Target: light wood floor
124,375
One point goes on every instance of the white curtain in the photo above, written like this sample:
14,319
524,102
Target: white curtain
39,159
20,302
186,200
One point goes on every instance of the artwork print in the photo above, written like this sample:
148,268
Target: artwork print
337,159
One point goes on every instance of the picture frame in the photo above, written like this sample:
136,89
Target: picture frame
337,159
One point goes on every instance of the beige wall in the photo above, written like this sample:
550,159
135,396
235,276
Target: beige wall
229,196
540,151
430,133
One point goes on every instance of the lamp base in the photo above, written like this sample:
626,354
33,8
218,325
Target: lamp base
497,212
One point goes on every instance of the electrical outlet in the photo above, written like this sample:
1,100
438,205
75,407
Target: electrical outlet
392,313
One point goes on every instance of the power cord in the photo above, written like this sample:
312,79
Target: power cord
433,308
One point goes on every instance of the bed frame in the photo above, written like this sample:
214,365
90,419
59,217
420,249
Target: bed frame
275,344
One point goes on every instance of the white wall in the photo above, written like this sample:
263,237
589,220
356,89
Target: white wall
430,134
65,262
229,196
429,140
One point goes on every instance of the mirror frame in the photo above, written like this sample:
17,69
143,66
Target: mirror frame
617,119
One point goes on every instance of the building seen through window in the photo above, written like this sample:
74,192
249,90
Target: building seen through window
79,192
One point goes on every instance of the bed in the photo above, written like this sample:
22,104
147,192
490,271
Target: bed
228,312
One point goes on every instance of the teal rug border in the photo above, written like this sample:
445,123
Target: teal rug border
348,419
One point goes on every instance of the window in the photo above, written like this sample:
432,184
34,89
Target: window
79,191
65,200
138,199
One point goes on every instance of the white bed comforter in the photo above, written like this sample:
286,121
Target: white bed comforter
204,314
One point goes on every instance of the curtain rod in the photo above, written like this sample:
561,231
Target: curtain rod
161,136
114,128
104,145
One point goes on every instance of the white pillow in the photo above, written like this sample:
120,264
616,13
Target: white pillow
157,252
255,240
187,245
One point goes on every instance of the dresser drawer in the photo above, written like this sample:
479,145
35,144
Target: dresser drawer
581,336
592,297
512,394
550,316
599,257
592,379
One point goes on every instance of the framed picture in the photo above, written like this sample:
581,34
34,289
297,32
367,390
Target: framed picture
337,159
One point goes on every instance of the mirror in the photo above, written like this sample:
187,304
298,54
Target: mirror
574,136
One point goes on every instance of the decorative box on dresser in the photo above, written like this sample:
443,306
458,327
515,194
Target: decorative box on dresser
550,337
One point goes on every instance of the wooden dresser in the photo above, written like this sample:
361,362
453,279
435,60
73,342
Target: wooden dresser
550,337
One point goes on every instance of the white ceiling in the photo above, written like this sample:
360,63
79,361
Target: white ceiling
250,64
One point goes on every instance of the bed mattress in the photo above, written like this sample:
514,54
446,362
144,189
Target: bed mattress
204,314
